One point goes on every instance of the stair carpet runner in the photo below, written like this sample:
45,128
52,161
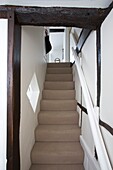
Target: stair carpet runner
57,145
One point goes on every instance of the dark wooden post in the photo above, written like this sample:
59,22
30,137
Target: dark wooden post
10,91
17,92
98,41
13,94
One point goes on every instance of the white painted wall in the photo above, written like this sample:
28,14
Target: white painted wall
32,61
56,40
67,44
3,92
106,109
89,64
89,69
74,35
72,44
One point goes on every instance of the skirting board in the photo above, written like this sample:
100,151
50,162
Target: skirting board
90,162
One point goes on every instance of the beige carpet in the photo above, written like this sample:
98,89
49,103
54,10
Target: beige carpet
57,145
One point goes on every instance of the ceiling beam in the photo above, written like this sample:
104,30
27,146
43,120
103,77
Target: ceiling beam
51,30
89,18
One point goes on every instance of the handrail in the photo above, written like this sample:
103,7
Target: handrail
94,122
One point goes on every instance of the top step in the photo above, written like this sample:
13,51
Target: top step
58,65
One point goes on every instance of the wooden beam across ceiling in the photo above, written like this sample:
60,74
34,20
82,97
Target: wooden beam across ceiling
89,18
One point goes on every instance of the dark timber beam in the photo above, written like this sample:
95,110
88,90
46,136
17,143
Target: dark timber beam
101,123
98,46
89,18
82,38
56,30
106,126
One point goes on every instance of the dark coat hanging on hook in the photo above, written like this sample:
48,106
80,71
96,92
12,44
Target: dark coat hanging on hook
48,46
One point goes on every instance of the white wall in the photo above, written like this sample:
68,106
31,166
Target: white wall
67,44
89,64
106,109
32,61
3,92
89,70
74,35
56,40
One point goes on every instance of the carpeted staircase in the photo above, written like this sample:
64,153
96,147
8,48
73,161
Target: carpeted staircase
57,145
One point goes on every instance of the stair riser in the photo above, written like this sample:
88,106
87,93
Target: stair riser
58,65
57,167
60,159
59,70
59,94
57,136
58,119
59,85
57,153
59,77
58,105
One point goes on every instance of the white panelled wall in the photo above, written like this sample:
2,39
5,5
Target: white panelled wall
32,62
106,109
88,64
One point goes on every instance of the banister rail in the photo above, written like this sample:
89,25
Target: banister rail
103,158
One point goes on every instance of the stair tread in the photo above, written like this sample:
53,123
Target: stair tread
57,133
58,104
57,152
59,77
68,113
58,94
59,70
57,167
58,127
58,117
59,85
56,65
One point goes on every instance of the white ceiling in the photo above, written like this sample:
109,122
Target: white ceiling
65,3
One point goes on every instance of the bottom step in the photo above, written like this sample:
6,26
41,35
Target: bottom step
57,167
59,153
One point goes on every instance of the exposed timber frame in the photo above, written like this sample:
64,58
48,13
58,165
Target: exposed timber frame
10,92
101,123
13,90
87,18
82,38
98,44
13,86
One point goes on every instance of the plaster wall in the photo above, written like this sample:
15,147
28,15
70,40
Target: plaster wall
3,92
106,109
56,40
32,61
88,64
